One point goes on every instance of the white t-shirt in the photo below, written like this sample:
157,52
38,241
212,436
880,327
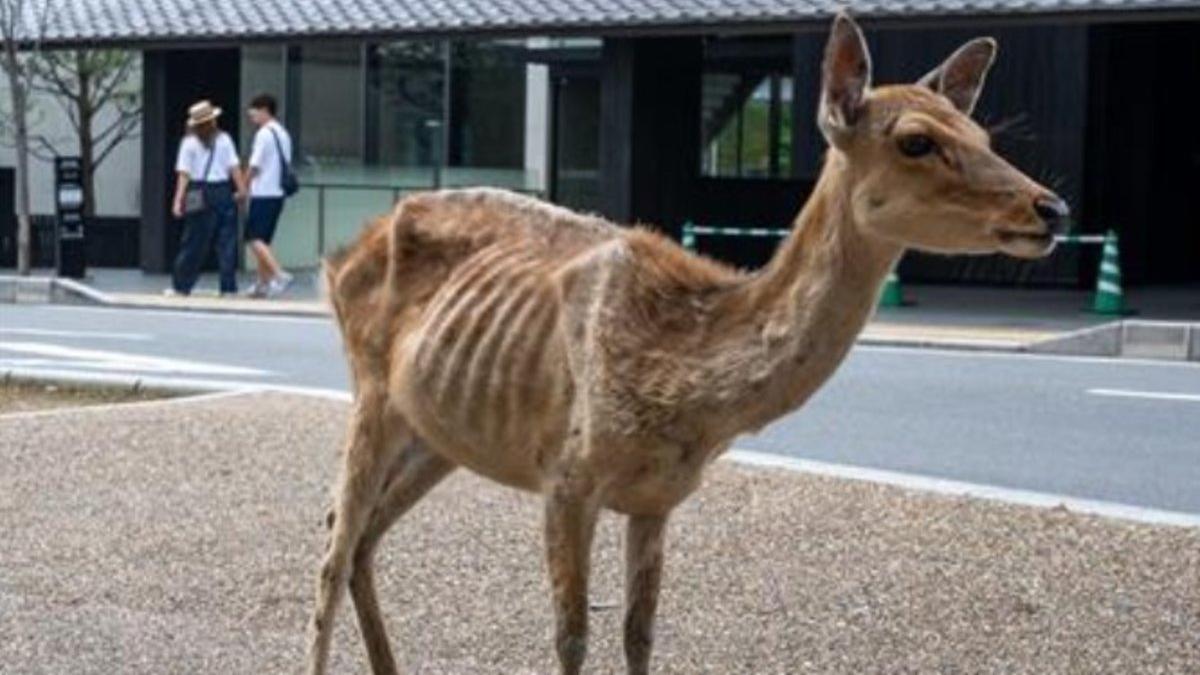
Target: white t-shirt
193,157
264,156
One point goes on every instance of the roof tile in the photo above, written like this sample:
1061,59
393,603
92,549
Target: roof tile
165,20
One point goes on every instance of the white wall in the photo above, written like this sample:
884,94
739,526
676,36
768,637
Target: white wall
537,109
119,178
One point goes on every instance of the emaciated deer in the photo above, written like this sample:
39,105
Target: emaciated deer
605,367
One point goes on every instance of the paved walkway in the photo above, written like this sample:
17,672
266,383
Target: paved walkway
184,537
960,316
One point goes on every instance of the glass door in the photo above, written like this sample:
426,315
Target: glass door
575,140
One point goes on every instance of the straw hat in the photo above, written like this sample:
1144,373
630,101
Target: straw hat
201,112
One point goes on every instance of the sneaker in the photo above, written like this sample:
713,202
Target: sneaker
279,284
172,293
257,289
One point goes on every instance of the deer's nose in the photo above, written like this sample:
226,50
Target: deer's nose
1053,211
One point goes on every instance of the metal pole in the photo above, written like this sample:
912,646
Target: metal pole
435,128
740,123
320,221
773,127
444,126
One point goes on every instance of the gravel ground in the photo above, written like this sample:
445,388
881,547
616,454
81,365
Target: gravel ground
183,538
30,396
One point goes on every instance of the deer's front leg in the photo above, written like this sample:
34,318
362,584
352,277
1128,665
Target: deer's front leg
643,576
570,521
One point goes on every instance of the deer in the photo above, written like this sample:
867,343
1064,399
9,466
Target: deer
603,367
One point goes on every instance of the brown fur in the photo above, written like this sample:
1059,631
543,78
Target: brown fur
603,367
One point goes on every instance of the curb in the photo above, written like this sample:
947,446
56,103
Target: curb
1129,338
110,382
15,289
1158,340
181,386
57,290
283,312
949,345
73,292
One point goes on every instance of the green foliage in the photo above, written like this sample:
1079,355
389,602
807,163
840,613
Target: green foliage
752,120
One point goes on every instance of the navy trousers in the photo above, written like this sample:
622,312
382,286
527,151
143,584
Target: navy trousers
217,223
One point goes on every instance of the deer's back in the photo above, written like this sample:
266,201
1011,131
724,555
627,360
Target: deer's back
450,306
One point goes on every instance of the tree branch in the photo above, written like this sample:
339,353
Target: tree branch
47,151
57,74
121,136
113,78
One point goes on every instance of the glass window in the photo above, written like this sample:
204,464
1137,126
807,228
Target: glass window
407,91
746,122
367,121
577,142
746,107
407,107
329,104
263,72
487,115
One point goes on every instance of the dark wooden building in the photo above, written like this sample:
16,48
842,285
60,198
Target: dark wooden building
665,113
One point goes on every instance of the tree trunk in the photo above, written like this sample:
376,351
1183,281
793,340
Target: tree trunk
24,219
19,94
87,160
87,153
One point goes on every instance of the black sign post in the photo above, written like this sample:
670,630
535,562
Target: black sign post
68,199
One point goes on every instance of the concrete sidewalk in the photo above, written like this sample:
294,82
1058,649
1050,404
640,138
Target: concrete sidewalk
184,537
133,288
963,317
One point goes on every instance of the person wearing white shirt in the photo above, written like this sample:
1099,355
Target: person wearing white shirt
207,186
270,158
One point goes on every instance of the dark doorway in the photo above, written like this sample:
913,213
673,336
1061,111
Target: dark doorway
213,74
1143,150
575,138
175,79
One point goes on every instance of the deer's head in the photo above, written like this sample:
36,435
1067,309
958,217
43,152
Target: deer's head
922,173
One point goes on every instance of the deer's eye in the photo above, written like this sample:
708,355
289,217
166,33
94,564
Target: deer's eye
916,145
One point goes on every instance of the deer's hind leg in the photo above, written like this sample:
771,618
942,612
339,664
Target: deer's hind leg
374,441
417,470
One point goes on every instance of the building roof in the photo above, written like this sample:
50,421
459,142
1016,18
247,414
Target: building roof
164,21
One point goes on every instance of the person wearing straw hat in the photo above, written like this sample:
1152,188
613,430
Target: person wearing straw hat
208,182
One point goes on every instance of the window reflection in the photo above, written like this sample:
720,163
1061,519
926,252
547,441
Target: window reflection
407,88
328,102
372,121
746,110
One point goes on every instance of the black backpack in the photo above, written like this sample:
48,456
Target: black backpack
287,178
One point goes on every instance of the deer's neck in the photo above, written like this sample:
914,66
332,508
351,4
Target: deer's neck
810,303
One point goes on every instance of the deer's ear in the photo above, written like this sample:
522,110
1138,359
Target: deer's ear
845,77
960,78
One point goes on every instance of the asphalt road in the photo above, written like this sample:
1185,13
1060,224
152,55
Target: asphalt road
1118,431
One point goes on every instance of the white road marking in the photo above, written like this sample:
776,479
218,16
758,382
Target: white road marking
1152,395
964,489
97,359
1027,356
84,334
